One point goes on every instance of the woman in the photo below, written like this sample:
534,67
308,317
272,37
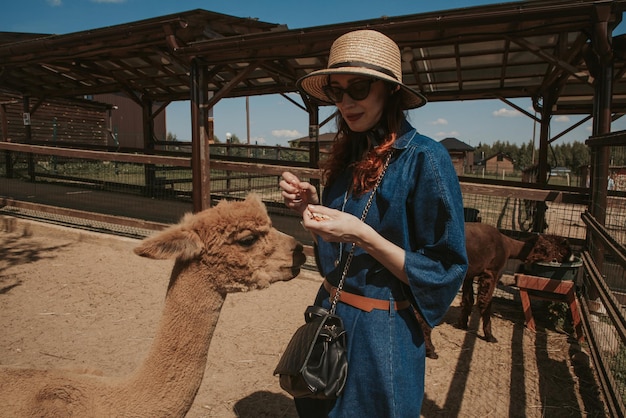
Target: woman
411,247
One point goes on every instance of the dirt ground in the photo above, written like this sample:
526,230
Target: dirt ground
76,299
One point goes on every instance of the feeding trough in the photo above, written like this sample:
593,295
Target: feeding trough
552,282
557,271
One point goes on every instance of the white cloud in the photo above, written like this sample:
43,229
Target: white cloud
286,133
506,113
439,121
55,3
562,118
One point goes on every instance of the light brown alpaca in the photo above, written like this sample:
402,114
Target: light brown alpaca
229,248
487,252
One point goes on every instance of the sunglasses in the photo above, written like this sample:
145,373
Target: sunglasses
359,90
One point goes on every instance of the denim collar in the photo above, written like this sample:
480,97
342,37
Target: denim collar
407,134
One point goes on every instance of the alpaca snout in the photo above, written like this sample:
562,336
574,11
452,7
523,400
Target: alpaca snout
298,258
298,254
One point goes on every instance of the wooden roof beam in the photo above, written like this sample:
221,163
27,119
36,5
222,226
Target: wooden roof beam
535,49
223,92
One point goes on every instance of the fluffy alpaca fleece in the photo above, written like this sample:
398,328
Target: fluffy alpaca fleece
488,251
229,248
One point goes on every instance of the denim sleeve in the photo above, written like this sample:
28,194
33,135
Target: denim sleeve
436,262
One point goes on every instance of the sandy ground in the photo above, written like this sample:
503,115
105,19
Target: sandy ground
76,299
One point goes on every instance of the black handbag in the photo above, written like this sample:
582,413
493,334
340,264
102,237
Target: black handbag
315,362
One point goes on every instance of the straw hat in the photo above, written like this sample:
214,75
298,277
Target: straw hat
362,52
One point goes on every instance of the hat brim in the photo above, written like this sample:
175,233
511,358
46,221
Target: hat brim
313,85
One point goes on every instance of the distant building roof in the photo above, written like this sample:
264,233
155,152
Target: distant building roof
453,144
500,155
326,138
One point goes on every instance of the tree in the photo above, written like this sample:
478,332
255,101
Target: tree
524,156
572,155
580,156
234,139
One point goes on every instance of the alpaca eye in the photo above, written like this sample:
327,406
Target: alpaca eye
248,241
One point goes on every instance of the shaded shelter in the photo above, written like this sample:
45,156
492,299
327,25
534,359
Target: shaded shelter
561,54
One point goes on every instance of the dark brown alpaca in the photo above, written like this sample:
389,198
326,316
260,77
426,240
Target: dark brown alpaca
488,251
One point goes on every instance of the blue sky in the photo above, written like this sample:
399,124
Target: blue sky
272,119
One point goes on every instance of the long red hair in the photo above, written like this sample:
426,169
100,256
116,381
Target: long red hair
365,168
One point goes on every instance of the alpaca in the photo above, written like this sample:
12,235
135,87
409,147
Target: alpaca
231,247
488,251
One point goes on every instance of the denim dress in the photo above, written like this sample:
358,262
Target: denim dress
419,207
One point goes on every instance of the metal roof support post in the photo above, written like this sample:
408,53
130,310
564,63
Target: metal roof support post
5,137
200,161
314,135
28,136
602,54
602,155
544,137
148,143
539,219
147,123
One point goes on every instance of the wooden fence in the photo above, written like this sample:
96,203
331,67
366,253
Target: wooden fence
105,184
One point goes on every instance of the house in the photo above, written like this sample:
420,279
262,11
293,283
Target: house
462,155
56,120
102,120
499,164
126,122
325,140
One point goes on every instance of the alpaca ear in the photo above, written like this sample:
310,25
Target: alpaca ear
253,198
174,242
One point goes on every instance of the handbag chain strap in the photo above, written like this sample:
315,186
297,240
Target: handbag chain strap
351,253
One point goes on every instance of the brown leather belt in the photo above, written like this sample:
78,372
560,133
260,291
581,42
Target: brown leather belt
364,303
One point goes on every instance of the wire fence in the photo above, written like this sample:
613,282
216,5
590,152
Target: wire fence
603,288
134,194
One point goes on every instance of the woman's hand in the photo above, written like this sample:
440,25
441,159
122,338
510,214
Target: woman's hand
333,225
336,226
297,194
